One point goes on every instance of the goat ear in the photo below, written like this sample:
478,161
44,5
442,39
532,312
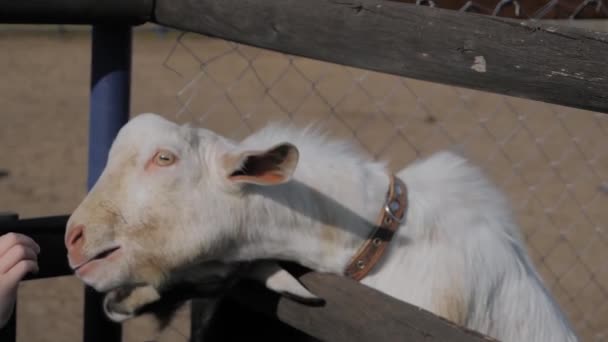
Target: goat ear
270,167
282,282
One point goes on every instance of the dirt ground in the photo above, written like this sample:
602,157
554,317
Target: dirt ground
550,160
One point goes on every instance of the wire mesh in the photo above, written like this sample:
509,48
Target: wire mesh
524,9
550,160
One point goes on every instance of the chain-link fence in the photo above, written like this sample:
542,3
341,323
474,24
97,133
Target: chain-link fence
526,9
552,161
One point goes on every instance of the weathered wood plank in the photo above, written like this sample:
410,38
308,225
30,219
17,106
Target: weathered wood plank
352,312
549,63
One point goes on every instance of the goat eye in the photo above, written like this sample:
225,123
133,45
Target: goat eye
164,158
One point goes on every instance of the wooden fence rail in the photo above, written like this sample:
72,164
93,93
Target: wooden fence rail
532,60
527,59
352,312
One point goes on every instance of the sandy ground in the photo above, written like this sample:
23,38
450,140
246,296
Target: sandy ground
550,160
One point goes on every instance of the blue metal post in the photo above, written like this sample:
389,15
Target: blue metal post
109,111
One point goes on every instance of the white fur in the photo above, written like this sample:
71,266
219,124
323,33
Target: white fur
459,236
459,253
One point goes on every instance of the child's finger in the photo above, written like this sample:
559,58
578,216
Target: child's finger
17,272
14,255
10,239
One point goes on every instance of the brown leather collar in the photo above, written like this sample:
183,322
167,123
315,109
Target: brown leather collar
389,220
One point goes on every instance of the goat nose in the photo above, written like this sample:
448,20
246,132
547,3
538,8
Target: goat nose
75,237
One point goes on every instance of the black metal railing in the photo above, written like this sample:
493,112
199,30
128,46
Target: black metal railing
52,261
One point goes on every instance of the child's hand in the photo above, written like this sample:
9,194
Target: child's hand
18,257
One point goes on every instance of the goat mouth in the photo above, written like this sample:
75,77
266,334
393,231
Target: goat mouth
105,254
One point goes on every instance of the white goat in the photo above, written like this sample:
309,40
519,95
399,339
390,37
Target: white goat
176,198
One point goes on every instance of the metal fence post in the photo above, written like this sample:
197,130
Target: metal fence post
109,111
